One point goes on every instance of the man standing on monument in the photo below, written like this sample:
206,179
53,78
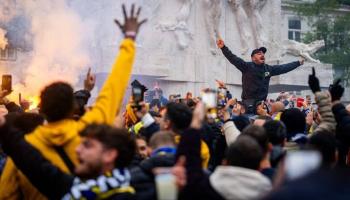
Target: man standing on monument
256,74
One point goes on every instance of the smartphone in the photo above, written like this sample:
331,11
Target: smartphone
209,98
222,91
300,163
165,184
6,83
137,94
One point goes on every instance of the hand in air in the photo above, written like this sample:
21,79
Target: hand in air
131,25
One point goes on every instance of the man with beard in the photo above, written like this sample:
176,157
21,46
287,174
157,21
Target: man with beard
255,74
103,154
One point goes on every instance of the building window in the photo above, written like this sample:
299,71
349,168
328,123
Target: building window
8,54
294,29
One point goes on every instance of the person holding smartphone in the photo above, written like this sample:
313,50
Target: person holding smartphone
58,139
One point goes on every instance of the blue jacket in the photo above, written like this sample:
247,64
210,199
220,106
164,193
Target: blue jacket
256,78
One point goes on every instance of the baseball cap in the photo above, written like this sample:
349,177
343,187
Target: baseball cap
255,51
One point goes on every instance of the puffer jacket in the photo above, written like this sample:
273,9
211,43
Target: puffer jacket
324,103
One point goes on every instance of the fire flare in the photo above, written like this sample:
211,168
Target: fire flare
33,102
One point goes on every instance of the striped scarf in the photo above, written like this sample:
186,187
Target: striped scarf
105,186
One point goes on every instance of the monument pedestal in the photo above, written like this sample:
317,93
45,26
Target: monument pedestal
176,47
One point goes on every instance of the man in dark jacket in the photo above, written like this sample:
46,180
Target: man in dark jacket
256,74
342,118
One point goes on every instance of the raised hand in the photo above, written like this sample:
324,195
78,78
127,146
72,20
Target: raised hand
260,110
220,84
90,80
198,116
131,25
220,43
336,90
314,83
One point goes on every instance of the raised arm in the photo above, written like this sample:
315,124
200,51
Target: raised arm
342,116
198,185
282,69
111,95
230,130
239,63
323,100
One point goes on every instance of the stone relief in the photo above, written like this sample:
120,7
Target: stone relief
212,22
304,50
180,27
241,18
256,7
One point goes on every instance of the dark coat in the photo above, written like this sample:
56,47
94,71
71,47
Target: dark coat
319,185
142,178
342,131
198,185
256,78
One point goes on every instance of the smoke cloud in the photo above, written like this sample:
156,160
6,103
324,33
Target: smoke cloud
59,40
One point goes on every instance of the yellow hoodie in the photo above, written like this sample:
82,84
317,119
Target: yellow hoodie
14,185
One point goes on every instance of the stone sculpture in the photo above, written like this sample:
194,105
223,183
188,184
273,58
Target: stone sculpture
212,22
304,50
256,22
241,21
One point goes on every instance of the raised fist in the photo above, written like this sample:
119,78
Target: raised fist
220,43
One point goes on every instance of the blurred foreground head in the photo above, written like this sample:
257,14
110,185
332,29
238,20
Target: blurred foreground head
102,149
294,120
245,153
57,101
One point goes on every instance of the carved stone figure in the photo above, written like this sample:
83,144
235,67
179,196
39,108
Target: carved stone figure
212,22
304,50
182,32
180,26
241,21
256,21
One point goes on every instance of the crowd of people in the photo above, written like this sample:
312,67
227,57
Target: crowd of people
286,148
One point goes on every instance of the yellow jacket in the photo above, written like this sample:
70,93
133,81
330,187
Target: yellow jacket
14,185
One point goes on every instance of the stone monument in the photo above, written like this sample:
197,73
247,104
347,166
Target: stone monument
177,47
